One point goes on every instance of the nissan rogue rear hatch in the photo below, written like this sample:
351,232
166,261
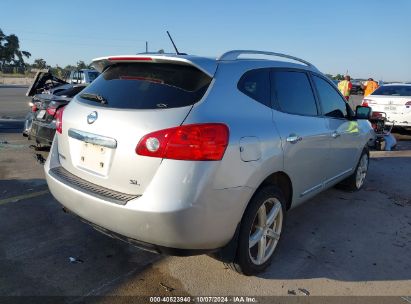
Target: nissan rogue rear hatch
103,125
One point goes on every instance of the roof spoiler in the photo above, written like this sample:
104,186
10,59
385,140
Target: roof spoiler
205,65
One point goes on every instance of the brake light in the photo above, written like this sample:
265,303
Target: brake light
189,142
51,110
34,108
59,120
130,59
366,102
408,103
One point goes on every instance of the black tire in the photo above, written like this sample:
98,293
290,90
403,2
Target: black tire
350,183
242,262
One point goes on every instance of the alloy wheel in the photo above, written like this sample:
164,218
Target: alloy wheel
361,171
265,231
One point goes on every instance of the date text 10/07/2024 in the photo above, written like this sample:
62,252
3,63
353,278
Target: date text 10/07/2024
203,299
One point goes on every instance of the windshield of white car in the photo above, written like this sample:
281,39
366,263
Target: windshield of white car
393,90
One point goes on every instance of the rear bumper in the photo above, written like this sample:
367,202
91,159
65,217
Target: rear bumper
400,118
176,223
143,245
42,132
403,120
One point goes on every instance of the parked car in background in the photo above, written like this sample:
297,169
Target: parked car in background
83,76
45,83
186,155
356,87
40,125
393,99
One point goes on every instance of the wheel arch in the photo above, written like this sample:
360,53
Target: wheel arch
283,181
280,179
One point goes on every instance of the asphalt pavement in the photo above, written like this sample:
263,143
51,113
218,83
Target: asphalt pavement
13,102
336,244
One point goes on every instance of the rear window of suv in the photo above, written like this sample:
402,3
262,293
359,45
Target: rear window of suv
146,86
71,92
393,90
256,84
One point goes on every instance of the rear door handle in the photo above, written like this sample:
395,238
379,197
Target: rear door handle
335,134
294,138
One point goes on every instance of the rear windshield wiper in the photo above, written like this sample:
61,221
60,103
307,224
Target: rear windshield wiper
94,97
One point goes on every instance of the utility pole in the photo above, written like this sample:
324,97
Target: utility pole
146,46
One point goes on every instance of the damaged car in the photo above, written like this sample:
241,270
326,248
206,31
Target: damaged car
47,87
45,111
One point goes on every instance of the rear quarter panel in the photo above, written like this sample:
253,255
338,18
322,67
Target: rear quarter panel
245,118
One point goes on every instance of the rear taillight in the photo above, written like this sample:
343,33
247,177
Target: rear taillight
34,108
366,102
59,120
51,111
408,103
188,142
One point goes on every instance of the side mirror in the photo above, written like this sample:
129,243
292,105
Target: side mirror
362,112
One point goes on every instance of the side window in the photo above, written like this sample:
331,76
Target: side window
293,93
81,77
75,76
333,105
256,84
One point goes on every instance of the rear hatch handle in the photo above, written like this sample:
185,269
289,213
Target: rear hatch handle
93,138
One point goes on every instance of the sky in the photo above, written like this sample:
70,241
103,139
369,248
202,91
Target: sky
365,38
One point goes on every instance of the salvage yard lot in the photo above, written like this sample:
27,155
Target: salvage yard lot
338,243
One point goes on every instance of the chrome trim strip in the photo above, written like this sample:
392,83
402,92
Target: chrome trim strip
311,190
337,176
325,183
93,138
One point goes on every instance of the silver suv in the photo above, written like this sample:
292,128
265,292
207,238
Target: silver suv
187,155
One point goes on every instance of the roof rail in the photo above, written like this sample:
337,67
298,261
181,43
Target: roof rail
234,54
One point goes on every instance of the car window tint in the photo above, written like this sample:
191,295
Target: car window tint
70,92
333,105
393,90
147,86
293,93
256,84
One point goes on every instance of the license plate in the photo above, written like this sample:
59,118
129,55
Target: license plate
41,114
390,108
94,158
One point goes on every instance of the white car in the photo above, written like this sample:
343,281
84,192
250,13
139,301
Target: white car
394,100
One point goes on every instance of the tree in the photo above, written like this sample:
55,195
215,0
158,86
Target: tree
82,65
39,63
339,77
70,67
58,71
10,52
